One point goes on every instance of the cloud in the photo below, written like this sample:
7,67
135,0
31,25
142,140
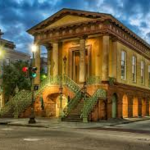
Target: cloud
19,15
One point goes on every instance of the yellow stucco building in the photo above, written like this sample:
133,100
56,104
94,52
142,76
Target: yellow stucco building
97,67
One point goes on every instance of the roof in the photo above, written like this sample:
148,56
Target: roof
89,14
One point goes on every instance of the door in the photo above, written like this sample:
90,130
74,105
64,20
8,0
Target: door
76,65
76,60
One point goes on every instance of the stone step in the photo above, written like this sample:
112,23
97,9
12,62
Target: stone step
73,118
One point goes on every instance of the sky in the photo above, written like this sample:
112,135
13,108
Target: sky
17,16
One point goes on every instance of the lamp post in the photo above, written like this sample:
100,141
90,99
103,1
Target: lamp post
61,88
65,60
60,95
1,97
1,80
32,116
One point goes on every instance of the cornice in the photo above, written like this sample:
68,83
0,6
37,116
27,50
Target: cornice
99,26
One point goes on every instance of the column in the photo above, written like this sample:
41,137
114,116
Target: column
82,67
49,53
55,59
119,105
114,59
37,63
139,106
105,58
147,106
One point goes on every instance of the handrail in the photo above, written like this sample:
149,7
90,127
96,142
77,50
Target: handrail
18,103
91,102
47,82
93,80
71,84
73,103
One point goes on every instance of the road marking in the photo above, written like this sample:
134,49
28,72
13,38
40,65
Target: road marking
31,139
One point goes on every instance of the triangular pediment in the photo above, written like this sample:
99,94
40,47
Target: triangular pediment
68,19
64,17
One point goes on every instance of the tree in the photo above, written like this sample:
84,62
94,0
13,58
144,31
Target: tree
13,77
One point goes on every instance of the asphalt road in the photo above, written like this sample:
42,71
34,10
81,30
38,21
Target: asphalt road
29,138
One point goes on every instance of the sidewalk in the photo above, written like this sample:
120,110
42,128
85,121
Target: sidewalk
56,123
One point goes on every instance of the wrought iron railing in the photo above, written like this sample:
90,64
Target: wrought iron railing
73,103
48,82
17,104
22,101
71,84
93,80
91,102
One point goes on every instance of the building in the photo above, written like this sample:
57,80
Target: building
8,54
96,62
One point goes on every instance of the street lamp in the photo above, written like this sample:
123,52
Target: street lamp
61,97
65,60
1,72
32,116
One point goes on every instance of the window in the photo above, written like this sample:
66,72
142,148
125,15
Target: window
142,72
123,65
149,75
133,68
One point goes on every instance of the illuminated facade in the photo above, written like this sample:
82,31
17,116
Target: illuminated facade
102,66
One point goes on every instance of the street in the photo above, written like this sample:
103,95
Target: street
31,138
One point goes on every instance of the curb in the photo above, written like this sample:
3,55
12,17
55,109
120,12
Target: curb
9,123
127,122
23,125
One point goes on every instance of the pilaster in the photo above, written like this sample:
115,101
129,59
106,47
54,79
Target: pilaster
37,63
114,58
55,58
49,53
105,58
82,69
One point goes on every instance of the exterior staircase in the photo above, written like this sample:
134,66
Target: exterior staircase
75,113
78,108
90,103
22,100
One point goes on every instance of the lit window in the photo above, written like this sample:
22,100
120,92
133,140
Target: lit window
142,72
123,65
133,68
149,75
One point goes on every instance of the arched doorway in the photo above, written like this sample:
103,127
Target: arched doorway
52,105
64,104
143,107
125,106
114,106
135,107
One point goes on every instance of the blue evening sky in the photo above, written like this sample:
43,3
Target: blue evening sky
16,16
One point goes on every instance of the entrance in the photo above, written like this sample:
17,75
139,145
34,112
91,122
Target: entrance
76,65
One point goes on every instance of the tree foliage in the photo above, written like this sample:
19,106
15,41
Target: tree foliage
13,77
